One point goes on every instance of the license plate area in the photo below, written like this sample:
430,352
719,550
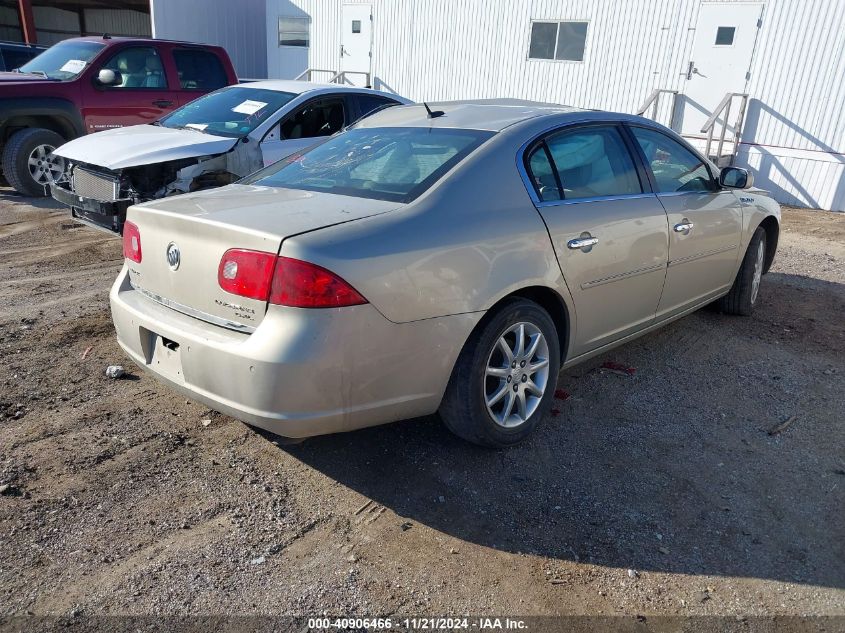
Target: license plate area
162,354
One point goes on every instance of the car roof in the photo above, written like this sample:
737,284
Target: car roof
481,114
111,40
298,87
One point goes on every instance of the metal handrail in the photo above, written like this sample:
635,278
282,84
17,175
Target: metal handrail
308,71
710,125
653,101
337,76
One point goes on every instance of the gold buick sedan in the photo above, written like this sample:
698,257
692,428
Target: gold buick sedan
447,257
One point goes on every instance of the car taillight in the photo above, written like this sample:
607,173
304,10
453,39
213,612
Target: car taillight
304,285
246,273
284,281
131,242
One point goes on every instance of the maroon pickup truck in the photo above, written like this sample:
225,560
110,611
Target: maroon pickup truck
87,84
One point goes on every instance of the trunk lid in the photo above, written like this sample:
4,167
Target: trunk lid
203,226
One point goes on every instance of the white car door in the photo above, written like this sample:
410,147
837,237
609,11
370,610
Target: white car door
304,126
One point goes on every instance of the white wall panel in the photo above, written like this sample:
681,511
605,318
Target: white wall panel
447,49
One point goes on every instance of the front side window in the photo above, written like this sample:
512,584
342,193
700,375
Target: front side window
234,111
396,164
64,60
562,41
675,168
294,31
199,70
587,162
315,119
137,67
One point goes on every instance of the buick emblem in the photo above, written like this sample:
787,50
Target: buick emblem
174,257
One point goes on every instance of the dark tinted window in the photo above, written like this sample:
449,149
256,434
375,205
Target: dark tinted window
396,164
675,168
315,119
199,70
370,103
16,57
590,161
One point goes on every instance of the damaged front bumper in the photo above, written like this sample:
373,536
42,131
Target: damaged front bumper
101,214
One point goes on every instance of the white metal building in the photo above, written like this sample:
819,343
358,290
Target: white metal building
787,56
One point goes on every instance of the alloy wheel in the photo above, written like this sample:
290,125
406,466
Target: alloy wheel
516,374
44,167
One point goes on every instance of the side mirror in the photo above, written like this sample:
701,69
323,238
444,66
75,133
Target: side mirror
109,77
735,178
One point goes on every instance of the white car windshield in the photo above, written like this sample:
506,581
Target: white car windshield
234,111
396,164
64,60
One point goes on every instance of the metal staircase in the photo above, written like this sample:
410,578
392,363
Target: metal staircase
720,118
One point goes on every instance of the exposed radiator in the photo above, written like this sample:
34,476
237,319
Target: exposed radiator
89,184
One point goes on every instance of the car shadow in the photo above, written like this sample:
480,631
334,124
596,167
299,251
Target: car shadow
10,197
671,469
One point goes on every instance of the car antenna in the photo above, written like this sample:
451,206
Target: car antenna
433,114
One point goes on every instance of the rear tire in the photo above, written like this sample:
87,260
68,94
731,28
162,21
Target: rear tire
500,389
27,162
745,292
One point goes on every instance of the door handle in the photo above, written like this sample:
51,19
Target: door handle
162,103
582,242
683,227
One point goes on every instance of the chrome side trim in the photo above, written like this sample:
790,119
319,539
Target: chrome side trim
690,258
626,196
620,276
193,312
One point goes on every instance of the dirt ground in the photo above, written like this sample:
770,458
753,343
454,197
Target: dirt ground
660,492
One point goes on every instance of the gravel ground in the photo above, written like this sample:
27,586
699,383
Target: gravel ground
657,492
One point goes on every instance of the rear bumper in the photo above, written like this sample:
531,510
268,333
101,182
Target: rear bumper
109,215
302,372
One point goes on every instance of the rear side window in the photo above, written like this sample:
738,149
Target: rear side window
372,103
586,162
396,164
199,70
675,168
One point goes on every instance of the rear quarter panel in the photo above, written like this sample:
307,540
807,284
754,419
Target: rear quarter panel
472,239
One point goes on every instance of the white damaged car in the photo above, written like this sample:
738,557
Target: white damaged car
212,141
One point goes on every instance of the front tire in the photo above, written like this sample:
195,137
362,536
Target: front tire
28,162
504,380
745,292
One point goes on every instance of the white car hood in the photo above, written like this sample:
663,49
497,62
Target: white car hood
142,145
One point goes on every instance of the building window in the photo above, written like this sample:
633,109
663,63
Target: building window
356,26
294,31
725,35
562,41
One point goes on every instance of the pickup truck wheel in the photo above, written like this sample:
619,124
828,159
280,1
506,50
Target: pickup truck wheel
28,161
503,382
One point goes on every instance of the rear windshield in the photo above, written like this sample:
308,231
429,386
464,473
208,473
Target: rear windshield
228,112
395,164
64,60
